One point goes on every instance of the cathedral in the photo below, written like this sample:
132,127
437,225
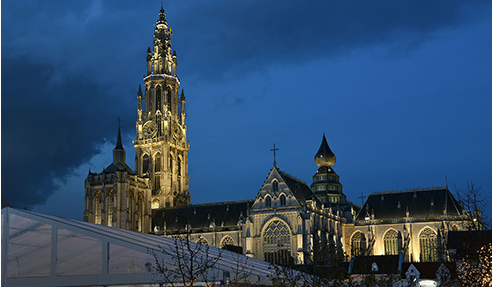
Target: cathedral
288,221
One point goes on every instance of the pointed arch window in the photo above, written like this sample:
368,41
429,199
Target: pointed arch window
202,241
110,207
276,243
356,244
391,242
282,200
428,245
98,208
157,162
140,213
171,170
158,98
227,240
130,210
268,201
145,163
275,185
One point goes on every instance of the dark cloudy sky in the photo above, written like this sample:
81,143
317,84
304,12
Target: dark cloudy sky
402,90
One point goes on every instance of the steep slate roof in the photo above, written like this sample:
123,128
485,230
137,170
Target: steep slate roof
112,168
300,189
226,216
428,202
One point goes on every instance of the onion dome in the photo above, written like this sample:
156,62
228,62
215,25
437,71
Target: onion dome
325,157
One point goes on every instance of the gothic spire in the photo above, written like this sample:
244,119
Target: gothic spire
119,153
119,144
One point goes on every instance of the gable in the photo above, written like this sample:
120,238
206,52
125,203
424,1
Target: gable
279,184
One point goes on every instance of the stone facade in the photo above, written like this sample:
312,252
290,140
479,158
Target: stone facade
288,221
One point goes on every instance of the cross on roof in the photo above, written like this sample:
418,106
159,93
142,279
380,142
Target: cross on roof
362,197
119,122
274,149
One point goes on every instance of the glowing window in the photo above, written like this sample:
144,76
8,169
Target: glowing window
155,203
428,245
391,242
98,208
276,243
356,246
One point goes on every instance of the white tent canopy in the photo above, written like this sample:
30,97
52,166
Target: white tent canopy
43,250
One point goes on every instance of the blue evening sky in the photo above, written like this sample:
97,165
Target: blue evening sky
401,89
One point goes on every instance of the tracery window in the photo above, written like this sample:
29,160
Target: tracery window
282,200
356,247
276,243
275,185
98,208
202,240
428,245
227,240
391,242
268,201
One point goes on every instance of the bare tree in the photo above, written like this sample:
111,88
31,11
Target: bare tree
474,200
324,269
241,272
477,271
188,263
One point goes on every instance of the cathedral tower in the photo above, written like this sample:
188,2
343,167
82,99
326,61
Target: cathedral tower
326,182
161,148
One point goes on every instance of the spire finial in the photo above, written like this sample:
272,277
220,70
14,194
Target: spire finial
119,145
274,149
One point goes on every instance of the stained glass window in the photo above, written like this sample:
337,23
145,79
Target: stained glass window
356,249
227,240
428,245
391,242
276,243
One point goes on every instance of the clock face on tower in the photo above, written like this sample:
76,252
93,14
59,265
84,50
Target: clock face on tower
150,129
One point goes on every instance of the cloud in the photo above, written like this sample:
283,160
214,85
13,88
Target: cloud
48,129
71,68
242,35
